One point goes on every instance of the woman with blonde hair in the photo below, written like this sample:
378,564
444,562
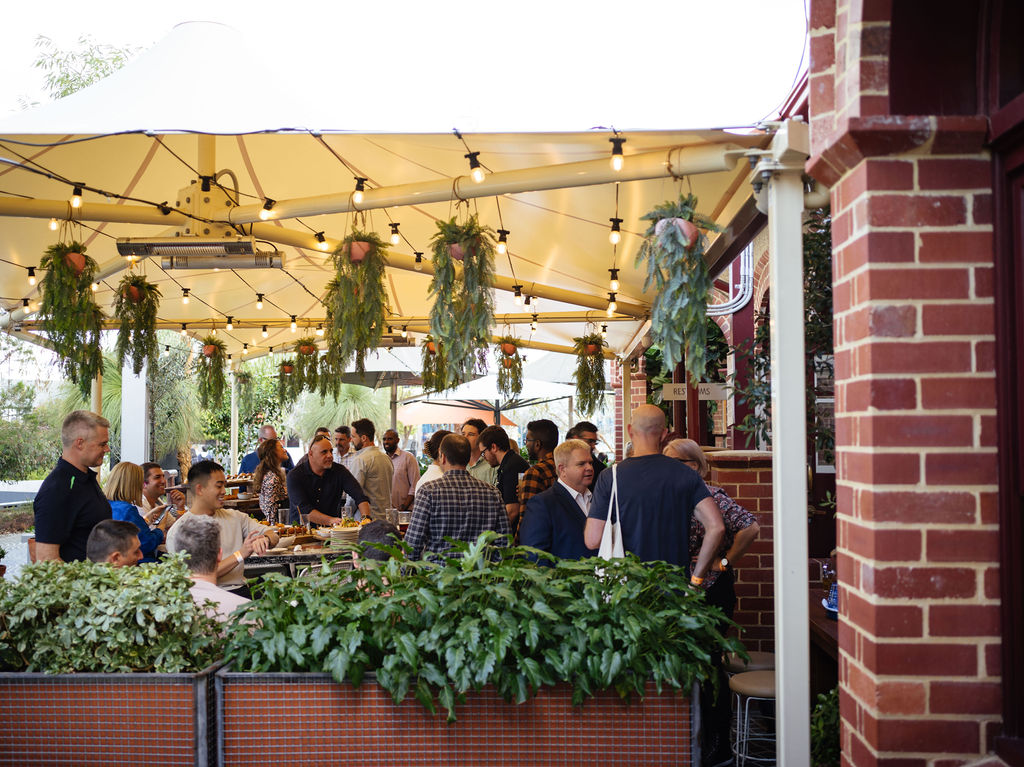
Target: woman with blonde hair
124,490
269,478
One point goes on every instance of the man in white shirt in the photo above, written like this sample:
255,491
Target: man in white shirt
372,470
154,484
554,519
239,533
407,471
199,537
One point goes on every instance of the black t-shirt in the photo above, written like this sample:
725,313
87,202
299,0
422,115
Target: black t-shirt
308,491
511,466
67,507
657,495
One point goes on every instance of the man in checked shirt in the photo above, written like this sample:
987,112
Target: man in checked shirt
456,505
541,440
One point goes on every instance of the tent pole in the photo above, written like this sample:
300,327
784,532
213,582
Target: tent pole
233,456
394,404
207,154
96,395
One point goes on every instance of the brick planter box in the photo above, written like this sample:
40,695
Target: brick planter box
104,719
337,724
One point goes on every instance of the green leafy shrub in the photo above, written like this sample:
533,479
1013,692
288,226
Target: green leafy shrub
356,301
589,373
136,302
82,616
438,631
825,730
210,371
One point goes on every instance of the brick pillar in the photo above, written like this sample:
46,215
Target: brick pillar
626,402
746,476
915,406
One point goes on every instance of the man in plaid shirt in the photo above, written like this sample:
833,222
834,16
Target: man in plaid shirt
457,505
541,440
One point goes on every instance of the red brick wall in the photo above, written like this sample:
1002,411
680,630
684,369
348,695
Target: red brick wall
623,405
339,724
746,476
915,406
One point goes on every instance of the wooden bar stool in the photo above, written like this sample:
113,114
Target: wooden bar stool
753,728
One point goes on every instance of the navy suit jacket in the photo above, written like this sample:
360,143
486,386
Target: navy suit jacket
554,522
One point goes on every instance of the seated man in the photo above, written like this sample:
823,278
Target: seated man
555,518
199,537
114,542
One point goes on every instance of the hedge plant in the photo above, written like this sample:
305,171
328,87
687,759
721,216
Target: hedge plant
356,301
487,615
68,312
136,301
463,309
589,373
673,249
81,616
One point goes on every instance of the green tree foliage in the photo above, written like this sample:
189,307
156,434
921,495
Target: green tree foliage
259,407
311,411
67,71
29,443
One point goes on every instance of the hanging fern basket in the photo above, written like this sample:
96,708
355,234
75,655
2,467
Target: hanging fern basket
510,372
136,302
69,314
356,301
673,255
210,372
307,365
589,373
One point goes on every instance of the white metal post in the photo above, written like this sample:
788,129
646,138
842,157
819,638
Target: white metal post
233,458
134,415
782,175
96,394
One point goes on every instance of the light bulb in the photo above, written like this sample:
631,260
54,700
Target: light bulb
231,325
405,331
502,241
616,162
475,171
614,284
357,195
264,331
617,158
31,275
477,174
245,348
76,197
604,331
418,266
167,351
533,324
183,330
320,329
53,225
614,237
259,301
95,287
612,306
321,241
184,296
395,236
266,211
213,330
518,296
294,326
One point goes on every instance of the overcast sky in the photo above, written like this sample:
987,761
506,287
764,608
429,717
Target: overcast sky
518,66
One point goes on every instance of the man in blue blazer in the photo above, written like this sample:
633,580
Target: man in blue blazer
554,519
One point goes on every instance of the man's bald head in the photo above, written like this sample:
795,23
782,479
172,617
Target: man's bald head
646,428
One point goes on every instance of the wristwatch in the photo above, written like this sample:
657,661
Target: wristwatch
724,564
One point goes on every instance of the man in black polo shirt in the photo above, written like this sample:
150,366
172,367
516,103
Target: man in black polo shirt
497,451
318,486
70,501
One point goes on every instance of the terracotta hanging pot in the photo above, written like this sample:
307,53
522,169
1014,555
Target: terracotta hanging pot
133,294
689,232
508,362
76,261
592,348
431,347
358,250
209,350
287,369
307,349
456,251
508,350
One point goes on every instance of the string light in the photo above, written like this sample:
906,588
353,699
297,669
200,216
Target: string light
213,330
418,266
405,331
390,330
53,225
229,359
357,195
527,299
475,171
259,301
167,351
320,329
24,304
612,306
617,159
264,331
321,241
231,324
184,330
31,275
604,331
533,324
614,284
395,236
615,235
294,326
76,197
184,296
502,247
268,209
245,348
95,287
518,297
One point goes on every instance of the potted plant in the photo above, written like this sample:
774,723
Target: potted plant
307,365
210,372
673,249
286,390
136,301
435,372
69,314
356,300
463,309
510,366
589,374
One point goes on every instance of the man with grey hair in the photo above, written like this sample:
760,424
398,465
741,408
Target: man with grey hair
70,502
199,537
251,460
